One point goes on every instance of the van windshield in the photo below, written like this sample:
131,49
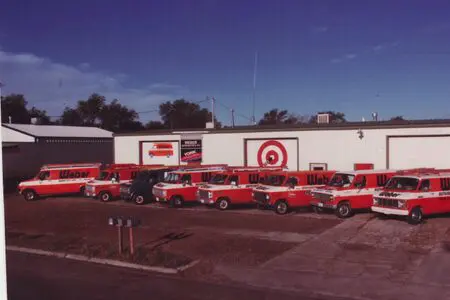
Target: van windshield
402,183
218,179
172,178
341,179
275,180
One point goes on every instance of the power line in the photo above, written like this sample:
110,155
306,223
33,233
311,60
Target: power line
229,108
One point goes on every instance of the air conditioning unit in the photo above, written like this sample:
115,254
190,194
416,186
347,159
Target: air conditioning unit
209,125
323,118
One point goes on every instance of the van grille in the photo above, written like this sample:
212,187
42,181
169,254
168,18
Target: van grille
259,197
203,194
322,197
387,202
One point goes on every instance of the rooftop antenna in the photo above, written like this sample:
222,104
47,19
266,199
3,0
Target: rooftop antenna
254,88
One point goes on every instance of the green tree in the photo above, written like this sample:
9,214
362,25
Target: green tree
41,115
184,114
275,116
15,106
154,125
96,112
117,117
397,118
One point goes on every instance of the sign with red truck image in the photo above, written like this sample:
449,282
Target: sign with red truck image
160,152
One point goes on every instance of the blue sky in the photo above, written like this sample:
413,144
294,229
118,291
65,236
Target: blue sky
392,57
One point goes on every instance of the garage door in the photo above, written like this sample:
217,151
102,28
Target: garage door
418,152
272,152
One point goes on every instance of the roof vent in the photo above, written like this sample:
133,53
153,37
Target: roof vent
209,125
375,116
323,118
34,121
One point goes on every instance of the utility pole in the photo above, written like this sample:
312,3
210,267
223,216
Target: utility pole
232,118
254,89
212,111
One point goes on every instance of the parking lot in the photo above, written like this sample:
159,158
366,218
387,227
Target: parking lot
298,251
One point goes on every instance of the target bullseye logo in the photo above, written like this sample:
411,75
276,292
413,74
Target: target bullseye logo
272,153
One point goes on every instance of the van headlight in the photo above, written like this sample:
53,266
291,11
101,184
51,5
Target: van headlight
210,195
375,201
401,203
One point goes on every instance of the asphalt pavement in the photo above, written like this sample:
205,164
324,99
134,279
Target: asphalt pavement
39,277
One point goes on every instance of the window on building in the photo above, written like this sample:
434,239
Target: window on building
318,166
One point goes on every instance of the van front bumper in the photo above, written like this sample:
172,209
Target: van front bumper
390,211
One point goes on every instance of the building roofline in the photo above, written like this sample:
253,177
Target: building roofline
18,130
300,127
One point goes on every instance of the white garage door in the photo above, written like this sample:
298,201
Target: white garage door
418,152
272,152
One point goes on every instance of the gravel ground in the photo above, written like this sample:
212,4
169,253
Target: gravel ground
167,237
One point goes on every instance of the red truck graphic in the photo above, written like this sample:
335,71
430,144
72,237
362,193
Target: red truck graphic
161,149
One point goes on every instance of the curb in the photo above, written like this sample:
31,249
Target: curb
109,262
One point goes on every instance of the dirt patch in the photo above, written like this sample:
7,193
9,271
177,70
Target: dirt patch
81,246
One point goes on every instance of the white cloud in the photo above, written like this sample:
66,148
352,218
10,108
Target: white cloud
336,60
348,56
52,86
383,46
320,29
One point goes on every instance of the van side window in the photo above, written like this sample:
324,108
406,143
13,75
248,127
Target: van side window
425,185
361,182
206,176
445,184
44,175
292,181
311,179
234,178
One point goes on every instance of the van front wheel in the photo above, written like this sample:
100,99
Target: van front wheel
281,207
343,210
29,195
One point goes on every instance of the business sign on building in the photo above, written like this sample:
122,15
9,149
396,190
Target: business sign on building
191,151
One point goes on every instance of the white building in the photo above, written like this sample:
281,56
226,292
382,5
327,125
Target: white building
26,147
384,144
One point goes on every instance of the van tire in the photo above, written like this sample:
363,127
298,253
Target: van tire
415,217
176,201
317,210
281,207
223,204
343,210
139,200
29,195
105,196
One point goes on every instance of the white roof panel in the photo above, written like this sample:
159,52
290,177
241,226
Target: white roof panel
60,131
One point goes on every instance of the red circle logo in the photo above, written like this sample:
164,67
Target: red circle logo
271,157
